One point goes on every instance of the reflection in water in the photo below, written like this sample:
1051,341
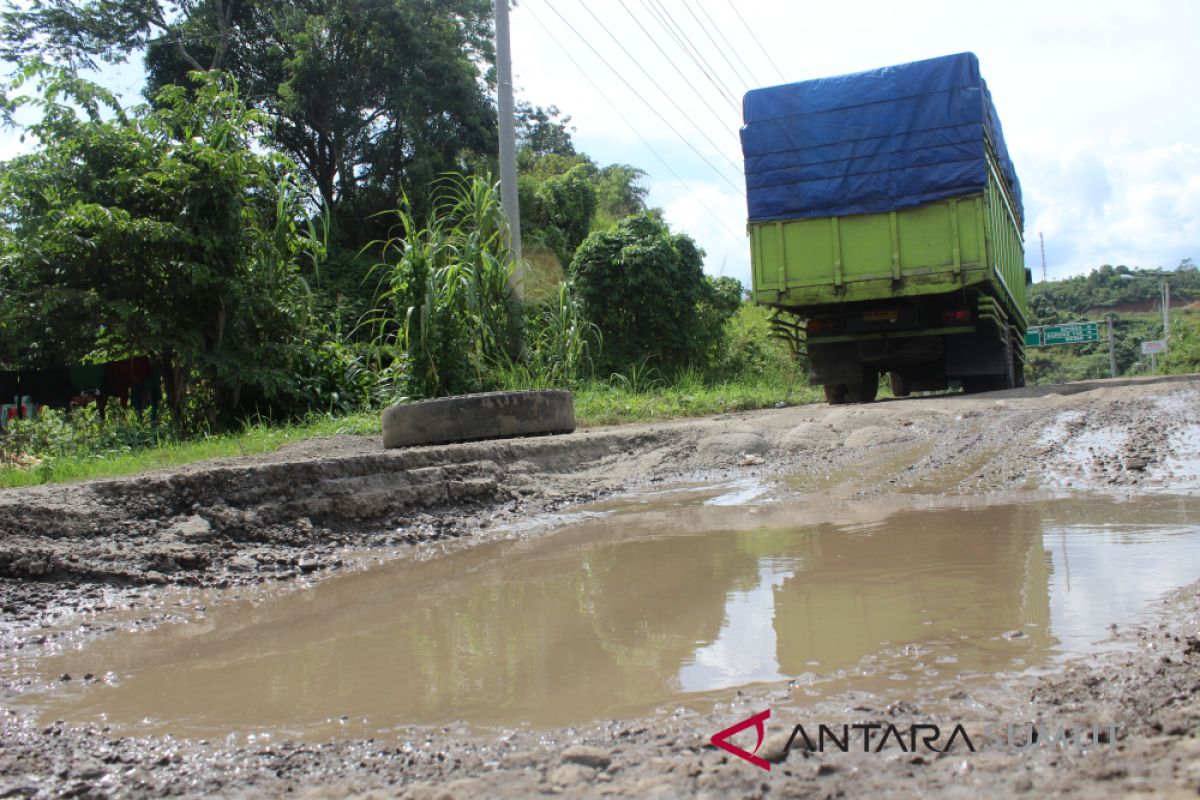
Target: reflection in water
619,615
746,649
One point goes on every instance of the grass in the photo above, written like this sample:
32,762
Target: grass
607,404
597,403
252,440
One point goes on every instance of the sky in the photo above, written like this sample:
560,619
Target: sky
1098,101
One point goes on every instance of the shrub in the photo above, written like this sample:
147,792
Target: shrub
645,290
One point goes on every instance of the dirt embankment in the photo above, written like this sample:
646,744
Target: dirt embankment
312,509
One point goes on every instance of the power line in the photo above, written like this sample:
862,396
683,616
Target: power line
671,61
754,81
664,19
665,93
685,42
756,40
716,46
648,105
719,219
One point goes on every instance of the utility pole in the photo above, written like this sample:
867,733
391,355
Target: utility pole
1112,354
1042,239
1166,303
508,146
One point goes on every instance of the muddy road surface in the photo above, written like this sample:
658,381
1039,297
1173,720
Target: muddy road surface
579,615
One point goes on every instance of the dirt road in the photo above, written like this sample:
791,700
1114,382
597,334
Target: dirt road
79,562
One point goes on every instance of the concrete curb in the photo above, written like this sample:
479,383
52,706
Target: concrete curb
469,417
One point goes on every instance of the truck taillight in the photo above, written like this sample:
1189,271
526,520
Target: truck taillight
819,327
960,316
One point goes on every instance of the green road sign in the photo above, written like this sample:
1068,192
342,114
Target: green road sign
1071,333
1074,333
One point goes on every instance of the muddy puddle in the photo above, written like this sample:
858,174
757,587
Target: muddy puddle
665,599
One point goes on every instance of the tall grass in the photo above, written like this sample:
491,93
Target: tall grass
447,311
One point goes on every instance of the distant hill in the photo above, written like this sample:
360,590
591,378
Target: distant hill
1135,303
1112,290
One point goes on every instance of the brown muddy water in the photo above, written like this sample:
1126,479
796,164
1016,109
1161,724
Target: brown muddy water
650,602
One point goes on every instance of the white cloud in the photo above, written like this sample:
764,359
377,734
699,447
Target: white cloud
714,217
1133,206
1095,98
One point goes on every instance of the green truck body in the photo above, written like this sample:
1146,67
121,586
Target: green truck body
928,293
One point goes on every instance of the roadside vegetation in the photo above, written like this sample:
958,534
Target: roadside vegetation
286,288
1131,296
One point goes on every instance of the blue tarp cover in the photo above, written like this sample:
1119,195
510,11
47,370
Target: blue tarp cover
872,141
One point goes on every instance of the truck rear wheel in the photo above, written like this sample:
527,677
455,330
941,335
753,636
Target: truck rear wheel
1008,378
864,392
901,385
835,393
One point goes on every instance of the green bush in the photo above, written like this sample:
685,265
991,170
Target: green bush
54,435
645,290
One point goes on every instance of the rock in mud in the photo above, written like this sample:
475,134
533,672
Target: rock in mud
242,564
593,757
810,435
570,774
733,444
775,748
193,529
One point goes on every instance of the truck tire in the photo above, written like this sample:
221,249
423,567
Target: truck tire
974,384
469,417
901,386
864,392
1008,378
835,393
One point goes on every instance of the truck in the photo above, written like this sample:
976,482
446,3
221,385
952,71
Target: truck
886,228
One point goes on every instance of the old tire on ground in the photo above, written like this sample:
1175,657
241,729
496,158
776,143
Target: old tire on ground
468,417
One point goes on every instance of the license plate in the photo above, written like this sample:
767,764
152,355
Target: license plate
888,315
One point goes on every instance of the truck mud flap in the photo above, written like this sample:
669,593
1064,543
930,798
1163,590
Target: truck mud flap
974,354
836,362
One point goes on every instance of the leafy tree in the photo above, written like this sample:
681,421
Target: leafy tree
373,99
620,192
170,231
646,291
559,209
565,197
77,34
540,133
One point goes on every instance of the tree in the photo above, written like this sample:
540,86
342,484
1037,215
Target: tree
77,34
540,133
559,209
646,291
374,99
564,197
170,231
